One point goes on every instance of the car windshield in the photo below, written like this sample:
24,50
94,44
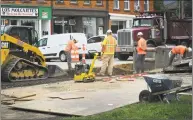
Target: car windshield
142,22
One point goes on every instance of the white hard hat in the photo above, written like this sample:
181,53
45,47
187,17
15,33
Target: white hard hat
139,33
109,31
189,49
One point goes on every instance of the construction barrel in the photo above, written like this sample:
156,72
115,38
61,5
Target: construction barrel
74,55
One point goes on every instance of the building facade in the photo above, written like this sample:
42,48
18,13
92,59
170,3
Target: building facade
27,13
86,16
122,12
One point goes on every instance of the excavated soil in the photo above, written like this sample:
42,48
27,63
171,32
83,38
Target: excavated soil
123,69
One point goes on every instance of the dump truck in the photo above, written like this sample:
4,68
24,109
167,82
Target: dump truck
159,28
20,57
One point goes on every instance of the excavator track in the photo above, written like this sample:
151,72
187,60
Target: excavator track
18,69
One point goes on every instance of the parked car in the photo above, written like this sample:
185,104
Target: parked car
94,43
52,46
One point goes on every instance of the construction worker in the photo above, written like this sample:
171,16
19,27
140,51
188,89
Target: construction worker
107,56
70,46
178,50
141,52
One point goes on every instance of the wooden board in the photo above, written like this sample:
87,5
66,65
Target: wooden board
63,96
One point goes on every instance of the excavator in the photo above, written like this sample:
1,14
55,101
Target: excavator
21,59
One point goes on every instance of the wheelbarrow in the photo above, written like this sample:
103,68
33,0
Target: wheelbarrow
162,88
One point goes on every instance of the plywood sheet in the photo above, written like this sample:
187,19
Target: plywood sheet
93,103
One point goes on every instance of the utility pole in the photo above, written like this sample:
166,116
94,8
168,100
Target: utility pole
181,9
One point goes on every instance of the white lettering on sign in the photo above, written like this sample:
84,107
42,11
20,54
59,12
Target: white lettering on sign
5,45
156,81
33,12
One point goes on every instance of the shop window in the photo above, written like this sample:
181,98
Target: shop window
136,5
116,4
89,26
58,25
59,1
146,5
41,1
26,1
13,22
126,4
86,1
116,25
130,23
99,2
100,21
73,1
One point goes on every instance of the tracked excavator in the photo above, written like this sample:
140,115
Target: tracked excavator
20,57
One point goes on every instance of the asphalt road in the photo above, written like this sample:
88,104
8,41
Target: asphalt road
98,63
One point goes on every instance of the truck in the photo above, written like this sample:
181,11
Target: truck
158,28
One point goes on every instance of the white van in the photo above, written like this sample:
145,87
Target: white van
52,46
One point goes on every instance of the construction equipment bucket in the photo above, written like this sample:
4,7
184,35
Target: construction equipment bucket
55,71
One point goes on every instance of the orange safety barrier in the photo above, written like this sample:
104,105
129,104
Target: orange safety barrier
74,55
83,54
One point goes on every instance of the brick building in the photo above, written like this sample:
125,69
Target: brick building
122,12
92,17
88,16
36,13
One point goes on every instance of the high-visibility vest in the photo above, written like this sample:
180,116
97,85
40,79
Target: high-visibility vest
179,50
142,43
74,54
110,45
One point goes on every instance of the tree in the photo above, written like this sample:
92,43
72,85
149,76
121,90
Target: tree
158,5
188,8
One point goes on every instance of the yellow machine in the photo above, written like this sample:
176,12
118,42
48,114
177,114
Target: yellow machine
84,72
20,59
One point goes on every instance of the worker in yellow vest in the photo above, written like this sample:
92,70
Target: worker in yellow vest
107,56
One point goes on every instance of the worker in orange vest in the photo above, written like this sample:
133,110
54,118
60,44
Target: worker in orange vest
178,50
141,52
70,46
107,56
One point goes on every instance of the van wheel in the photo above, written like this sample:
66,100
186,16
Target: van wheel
63,57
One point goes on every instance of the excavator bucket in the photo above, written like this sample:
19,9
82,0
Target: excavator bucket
55,71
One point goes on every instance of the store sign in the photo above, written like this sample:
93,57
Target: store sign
44,15
60,22
33,12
